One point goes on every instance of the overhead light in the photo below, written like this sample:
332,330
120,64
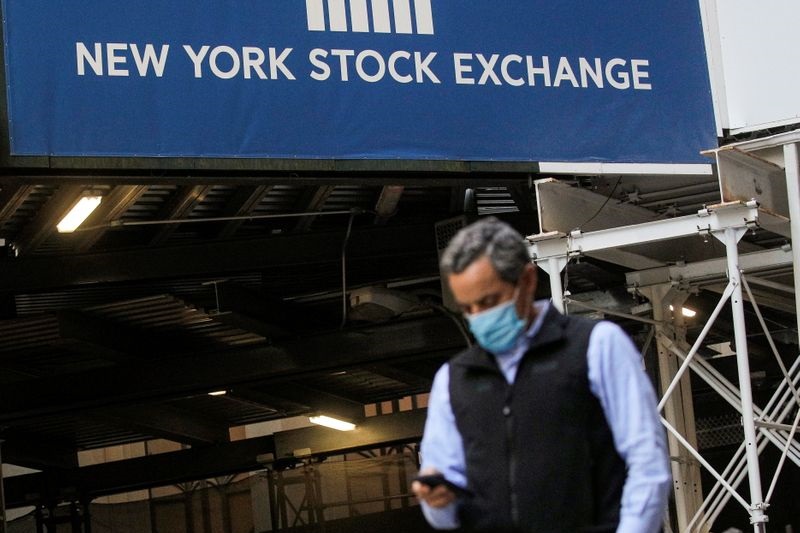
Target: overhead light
331,422
78,214
685,311
218,393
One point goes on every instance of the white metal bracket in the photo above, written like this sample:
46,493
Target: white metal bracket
714,219
552,250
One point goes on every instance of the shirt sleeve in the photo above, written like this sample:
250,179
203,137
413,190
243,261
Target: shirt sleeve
617,379
442,448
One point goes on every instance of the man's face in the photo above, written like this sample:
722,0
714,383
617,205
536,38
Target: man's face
479,287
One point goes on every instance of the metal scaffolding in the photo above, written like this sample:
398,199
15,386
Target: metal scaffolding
667,288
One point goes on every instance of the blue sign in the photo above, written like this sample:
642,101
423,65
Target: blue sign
486,80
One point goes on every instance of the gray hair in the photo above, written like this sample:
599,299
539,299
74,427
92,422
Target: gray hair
505,248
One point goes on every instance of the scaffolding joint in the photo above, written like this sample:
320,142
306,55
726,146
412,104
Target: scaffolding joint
756,513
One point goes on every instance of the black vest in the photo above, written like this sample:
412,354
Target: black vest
540,456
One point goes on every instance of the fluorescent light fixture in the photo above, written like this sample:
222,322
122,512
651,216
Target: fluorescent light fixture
218,393
330,422
688,313
78,214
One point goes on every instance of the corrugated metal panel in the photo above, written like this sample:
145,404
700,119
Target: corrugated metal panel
36,198
213,202
360,385
348,197
150,203
85,296
17,335
233,411
82,433
166,312
494,200
279,199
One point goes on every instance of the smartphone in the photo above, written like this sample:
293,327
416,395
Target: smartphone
434,480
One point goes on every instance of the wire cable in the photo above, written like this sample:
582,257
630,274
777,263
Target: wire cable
565,283
125,223
353,214
610,195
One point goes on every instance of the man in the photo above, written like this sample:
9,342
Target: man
549,424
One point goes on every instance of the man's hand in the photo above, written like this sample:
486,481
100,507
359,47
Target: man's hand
439,496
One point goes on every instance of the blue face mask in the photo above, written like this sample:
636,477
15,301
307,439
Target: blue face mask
497,329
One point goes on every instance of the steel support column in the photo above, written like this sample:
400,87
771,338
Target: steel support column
791,155
550,252
730,238
679,408
553,266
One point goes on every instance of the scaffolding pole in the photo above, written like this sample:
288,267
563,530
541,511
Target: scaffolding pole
728,223
791,157
758,518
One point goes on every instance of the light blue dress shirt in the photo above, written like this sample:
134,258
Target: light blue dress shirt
626,395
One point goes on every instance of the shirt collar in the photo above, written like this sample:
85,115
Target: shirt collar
542,307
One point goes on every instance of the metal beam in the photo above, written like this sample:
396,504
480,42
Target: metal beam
243,202
120,342
186,199
166,422
705,222
44,224
293,399
385,430
711,270
411,379
204,372
744,176
767,298
317,400
764,156
770,425
386,206
251,324
11,198
253,170
257,311
312,200
575,212
137,474
255,395
219,257
30,452
762,145
113,207
781,287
